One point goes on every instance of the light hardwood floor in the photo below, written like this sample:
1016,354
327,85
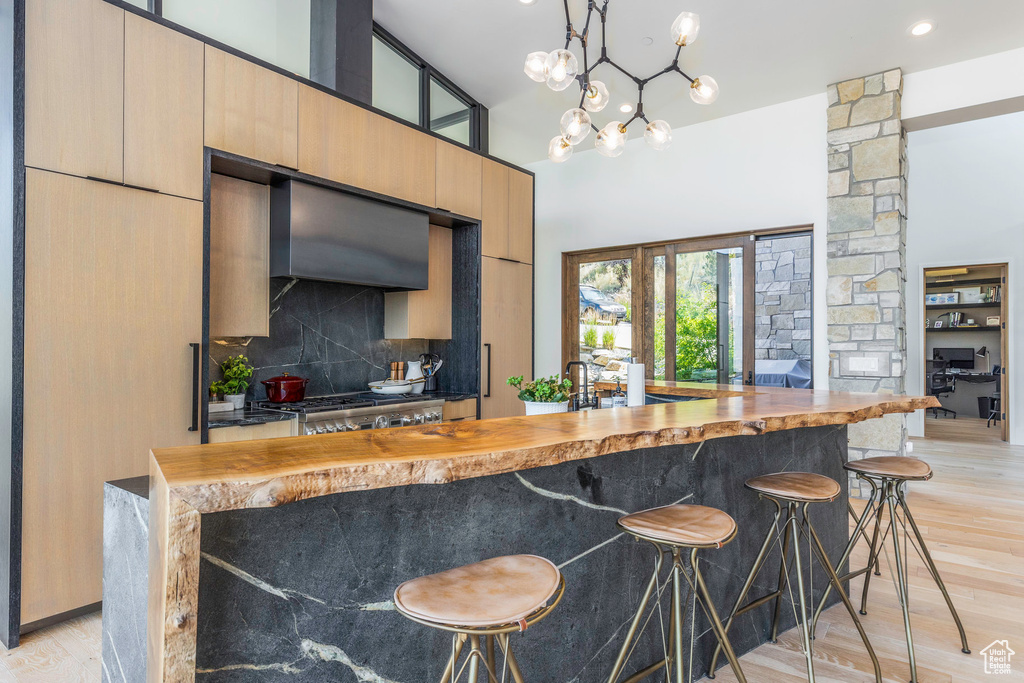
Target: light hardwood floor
971,513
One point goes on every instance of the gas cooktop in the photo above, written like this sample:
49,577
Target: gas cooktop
321,404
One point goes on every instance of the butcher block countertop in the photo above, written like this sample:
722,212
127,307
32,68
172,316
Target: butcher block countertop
254,474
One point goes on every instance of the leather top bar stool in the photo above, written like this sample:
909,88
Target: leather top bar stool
491,600
798,491
888,477
670,529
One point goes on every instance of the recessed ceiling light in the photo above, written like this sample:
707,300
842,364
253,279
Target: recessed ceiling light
921,28
527,2
626,108
647,40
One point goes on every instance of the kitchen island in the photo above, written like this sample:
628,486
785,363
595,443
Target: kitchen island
276,560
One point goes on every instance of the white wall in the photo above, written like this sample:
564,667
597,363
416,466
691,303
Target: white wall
765,168
965,207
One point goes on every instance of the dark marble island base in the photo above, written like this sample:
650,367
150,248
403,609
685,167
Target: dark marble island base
303,592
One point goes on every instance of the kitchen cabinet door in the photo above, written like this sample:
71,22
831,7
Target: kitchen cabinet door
250,110
494,218
239,258
113,298
425,314
351,145
74,87
163,109
458,180
506,332
520,216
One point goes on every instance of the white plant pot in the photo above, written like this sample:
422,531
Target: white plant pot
237,400
539,408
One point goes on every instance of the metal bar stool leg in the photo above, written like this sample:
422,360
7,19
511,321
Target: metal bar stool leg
802,614
716,624
783,570
933,569
762,555
901,583
834,579
624,652
873,554
510,658
677,618
858,531
457,640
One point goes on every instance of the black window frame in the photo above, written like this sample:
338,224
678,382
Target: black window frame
478,115
477,112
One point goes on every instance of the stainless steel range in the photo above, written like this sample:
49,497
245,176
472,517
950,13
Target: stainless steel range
353,412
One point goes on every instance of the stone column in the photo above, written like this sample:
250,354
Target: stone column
867,230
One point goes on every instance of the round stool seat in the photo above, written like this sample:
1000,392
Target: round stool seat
689,525
485,594
804,487
893,467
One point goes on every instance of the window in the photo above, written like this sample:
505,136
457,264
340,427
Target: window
734,309
396,82
432,102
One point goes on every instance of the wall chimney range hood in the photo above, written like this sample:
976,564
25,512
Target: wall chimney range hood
322,234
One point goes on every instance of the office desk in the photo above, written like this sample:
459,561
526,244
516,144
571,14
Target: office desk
964,399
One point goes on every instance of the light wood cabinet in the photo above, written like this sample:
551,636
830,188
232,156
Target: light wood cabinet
494,211
354,146
507,213
520,216
74,87
506,332
458,180
239,258
113,298
425,314
269,430
459,410
250,110
163,109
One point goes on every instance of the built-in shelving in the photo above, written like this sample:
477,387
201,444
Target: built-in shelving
961,283
980,328
953,307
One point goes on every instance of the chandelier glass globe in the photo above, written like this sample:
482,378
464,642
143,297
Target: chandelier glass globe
537,66
611,140
658,135
559,149
575,126
704,90
685,29
562,69
597,97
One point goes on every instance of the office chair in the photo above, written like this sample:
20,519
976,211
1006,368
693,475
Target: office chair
993,400
941,383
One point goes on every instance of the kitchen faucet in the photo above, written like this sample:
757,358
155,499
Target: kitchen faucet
585,386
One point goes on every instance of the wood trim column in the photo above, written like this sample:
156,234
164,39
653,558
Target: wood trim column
670,312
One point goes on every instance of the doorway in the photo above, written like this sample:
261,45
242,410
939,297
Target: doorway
966,351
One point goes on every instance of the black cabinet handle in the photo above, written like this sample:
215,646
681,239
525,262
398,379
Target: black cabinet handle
487,394
195,387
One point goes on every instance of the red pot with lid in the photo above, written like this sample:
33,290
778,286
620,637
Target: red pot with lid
285,388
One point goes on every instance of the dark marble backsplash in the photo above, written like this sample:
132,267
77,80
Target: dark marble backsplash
330,333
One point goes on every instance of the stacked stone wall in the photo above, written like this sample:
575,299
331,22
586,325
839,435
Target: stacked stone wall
782,298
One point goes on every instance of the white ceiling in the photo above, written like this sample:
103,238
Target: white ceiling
761,52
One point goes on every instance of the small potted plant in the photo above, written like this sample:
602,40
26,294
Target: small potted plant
544,395
237,373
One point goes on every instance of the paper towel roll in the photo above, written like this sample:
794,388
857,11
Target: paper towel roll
635,385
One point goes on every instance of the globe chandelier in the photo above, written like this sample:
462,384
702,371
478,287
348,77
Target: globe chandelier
560,69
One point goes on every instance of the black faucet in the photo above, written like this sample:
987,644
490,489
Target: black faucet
585,390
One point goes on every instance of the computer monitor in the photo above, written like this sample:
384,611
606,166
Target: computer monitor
955,358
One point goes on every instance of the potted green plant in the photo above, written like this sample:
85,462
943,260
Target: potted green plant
237,373
544,395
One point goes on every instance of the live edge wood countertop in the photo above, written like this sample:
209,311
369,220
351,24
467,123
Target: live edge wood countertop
254,474
187,482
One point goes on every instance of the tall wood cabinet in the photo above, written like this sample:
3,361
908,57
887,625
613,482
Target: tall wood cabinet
74,87
506,332
507,213
113,298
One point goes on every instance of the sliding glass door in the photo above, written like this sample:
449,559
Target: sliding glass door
702,311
